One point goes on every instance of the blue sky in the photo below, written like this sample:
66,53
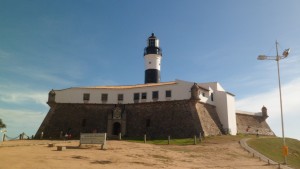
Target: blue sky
58,44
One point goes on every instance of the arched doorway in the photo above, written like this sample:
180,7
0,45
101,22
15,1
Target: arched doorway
116,128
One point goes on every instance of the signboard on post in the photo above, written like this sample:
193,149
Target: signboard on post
285,150
93,138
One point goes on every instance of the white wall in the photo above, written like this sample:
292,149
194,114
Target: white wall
231,113
221,102
152,61
225,104
180,91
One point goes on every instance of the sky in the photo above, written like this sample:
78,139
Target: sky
58,44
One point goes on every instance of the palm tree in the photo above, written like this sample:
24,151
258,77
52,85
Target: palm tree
2,125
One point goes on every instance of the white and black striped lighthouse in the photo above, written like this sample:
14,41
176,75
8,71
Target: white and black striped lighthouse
152,57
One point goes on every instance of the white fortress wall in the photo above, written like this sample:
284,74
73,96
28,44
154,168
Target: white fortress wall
179,91
231,113
225,104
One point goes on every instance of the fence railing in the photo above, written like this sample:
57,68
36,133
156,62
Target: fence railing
21,136
261,157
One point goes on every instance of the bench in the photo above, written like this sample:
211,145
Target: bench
61,148
93,138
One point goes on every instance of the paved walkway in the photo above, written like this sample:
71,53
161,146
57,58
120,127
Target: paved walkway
254,153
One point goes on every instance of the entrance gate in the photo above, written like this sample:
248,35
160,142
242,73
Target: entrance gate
116,128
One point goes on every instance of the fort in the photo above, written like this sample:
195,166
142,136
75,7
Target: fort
159,109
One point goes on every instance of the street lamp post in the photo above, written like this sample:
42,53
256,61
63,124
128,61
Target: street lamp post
277,58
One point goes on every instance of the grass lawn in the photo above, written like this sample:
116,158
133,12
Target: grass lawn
269,146
190,141
272,148
164,141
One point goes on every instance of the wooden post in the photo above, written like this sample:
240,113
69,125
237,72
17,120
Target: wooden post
20,137
120,136
195,139
268,162
145,138
104,146
279,165
61,135
3,139
200,137
42,135
169,140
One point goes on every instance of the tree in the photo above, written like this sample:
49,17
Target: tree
2,125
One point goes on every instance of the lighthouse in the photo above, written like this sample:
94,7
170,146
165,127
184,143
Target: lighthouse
152,57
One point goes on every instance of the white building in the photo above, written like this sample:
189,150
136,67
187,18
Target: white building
209,93
112,109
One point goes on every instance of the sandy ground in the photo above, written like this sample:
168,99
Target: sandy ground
36,154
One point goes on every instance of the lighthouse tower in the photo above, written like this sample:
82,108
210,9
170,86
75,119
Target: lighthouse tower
152,57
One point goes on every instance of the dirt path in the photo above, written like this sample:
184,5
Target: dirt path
121,154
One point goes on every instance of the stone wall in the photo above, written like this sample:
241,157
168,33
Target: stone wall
252,124
70,118
178,119
209,118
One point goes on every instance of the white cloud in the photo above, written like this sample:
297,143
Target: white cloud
290,97
57,70
38,75
18,121
291,107
18,94
19,106
51,78
16,97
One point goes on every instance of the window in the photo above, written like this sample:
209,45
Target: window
136,96
168,93
155,95
212,97
104,97
144,95
86,96
203,94
152,42
120,97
